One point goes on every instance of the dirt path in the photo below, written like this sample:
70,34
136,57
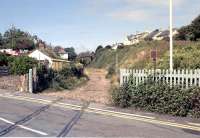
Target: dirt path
95,90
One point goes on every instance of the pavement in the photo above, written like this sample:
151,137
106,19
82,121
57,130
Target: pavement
29,115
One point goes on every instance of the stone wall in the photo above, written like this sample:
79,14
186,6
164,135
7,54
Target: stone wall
17,83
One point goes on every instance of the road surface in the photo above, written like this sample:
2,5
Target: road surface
36,116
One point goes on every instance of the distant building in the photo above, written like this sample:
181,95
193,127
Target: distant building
61,52
10,52
164,35
64,56
135,39
152,35
116,45
160,35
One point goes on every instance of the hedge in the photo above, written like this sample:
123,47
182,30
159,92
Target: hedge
159,97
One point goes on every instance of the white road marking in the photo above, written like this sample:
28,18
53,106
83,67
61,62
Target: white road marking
24,127
194,124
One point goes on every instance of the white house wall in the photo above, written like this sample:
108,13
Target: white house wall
41,57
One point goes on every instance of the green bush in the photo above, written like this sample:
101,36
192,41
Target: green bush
21,65
111,71
69,77
3,59
158,97
194,99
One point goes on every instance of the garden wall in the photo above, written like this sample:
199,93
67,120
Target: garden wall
16,83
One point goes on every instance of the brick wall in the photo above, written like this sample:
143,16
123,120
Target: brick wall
18,83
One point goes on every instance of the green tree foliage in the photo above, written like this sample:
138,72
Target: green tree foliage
98,48
3,59
71,53
16,39
190,32
21,65
1,40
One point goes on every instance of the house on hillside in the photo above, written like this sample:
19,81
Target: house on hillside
152,36
135,39
164,35
116,45
61,52
10,52
49,58
160,35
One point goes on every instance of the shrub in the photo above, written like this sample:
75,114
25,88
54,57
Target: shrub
3,59
158,97
21,65
68,78
194,99
122,96
111,71
45,77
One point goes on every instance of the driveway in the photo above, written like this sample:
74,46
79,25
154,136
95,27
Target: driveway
38,116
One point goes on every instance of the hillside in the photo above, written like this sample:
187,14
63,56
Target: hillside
186,55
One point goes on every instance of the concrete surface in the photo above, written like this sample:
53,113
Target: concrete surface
54,119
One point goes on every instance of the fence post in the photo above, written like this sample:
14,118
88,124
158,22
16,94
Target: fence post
186,77
121,77
195,77
178,76
198,75
30,80
183,78
191,78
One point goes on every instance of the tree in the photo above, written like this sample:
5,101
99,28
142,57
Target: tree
190,32
17,39
1,40
195,28
71,53
108,47
98,48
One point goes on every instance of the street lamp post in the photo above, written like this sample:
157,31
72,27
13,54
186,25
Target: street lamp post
171,34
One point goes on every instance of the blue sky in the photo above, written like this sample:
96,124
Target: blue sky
85,24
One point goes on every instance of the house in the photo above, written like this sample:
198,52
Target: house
135,39
160,35
116,45
61,52
49,58
64,56
152,36
10,52
164,35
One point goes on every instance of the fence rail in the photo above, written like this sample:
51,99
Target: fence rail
183,78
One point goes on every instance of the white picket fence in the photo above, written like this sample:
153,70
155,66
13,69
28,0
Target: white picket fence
183,78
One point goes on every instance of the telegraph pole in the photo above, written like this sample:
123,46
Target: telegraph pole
171,34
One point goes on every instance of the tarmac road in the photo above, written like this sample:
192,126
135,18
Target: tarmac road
33,117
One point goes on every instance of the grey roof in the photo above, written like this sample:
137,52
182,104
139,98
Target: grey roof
164,33
152,34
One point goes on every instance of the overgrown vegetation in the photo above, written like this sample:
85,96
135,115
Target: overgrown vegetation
17,65
17,39
186,55
69,77
191,31
158,97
